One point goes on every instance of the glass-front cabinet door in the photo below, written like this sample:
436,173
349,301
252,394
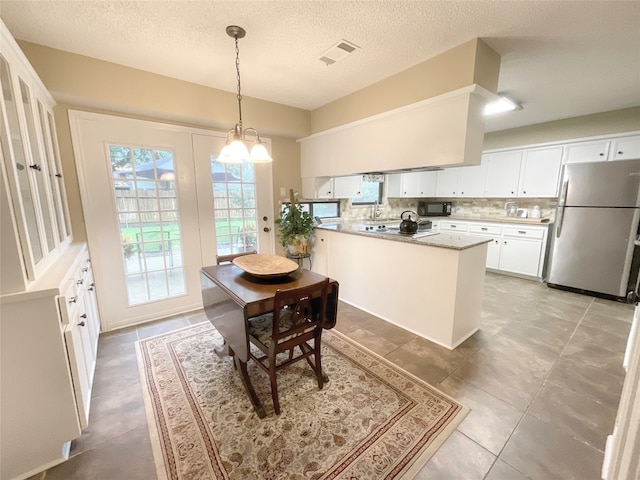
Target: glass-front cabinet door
35,224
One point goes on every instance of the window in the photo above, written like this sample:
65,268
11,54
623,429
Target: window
371,193
319,209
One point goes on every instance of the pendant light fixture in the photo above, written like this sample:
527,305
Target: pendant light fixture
235,149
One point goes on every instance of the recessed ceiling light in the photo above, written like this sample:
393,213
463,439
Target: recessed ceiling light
338,52
503,104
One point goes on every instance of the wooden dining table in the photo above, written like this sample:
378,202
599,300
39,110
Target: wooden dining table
231,297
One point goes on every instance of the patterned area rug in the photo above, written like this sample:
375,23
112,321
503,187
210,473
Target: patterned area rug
371,421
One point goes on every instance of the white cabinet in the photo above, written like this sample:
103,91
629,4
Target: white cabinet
462,181
522,250
35,226
447,183
503,174
330,187
472,180
411,185
48,339
453,226
540,171
493,232
590,151
347,187
318,187
625,148
514,248
320,252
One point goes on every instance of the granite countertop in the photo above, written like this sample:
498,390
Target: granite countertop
441,240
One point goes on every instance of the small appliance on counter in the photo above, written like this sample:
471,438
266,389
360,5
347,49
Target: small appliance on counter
434,209
535,212
424,225
511,208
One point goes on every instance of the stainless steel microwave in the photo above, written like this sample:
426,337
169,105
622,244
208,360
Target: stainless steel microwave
434,209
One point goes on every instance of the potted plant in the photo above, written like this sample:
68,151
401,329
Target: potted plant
296,226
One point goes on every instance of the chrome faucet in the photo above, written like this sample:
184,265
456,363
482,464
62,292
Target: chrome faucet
375,213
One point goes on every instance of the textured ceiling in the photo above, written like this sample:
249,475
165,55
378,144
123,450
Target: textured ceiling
559,58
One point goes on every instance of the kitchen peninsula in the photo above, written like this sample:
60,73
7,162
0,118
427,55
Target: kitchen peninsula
431,286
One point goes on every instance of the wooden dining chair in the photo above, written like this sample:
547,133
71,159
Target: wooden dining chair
297,318
220,259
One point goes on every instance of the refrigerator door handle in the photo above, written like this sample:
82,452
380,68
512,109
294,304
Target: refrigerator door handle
561,203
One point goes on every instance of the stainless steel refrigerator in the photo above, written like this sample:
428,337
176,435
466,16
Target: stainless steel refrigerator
593,243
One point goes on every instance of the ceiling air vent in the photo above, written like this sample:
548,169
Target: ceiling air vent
338,52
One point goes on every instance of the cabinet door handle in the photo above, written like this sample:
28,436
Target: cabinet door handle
505,242
524,191
484,229
80,282
82,324
84,315
36,167
454,226
85,269
522,232
620,153
601,154
90,289
73,300
59,175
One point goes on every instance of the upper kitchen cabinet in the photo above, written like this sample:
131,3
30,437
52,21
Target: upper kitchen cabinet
591,151
329,187
440,131
35,224
447,183
625,148
321,187
462,181
472,180
411,185
503,174
347,187
539,172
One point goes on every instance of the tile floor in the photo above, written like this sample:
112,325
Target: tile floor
542,378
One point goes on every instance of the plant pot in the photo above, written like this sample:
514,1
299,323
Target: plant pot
299,245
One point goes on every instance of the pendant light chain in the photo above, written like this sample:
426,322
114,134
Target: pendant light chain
236,149
238,73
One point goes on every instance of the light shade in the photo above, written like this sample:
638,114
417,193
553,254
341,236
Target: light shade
503,104
234,151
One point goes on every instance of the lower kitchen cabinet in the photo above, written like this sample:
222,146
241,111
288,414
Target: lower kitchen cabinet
514,248
493,232
49,336
320,253
520,256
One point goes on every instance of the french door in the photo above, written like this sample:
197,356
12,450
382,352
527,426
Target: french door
157,207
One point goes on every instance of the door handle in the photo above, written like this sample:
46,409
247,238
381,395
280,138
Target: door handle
561,202
266,229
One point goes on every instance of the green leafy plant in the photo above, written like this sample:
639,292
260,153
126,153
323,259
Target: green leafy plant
296,226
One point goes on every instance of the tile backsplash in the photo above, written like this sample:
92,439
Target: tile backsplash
476,207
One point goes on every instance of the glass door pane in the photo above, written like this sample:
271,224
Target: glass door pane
234,207
56,155
53,174
20,161
39,167
147,207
